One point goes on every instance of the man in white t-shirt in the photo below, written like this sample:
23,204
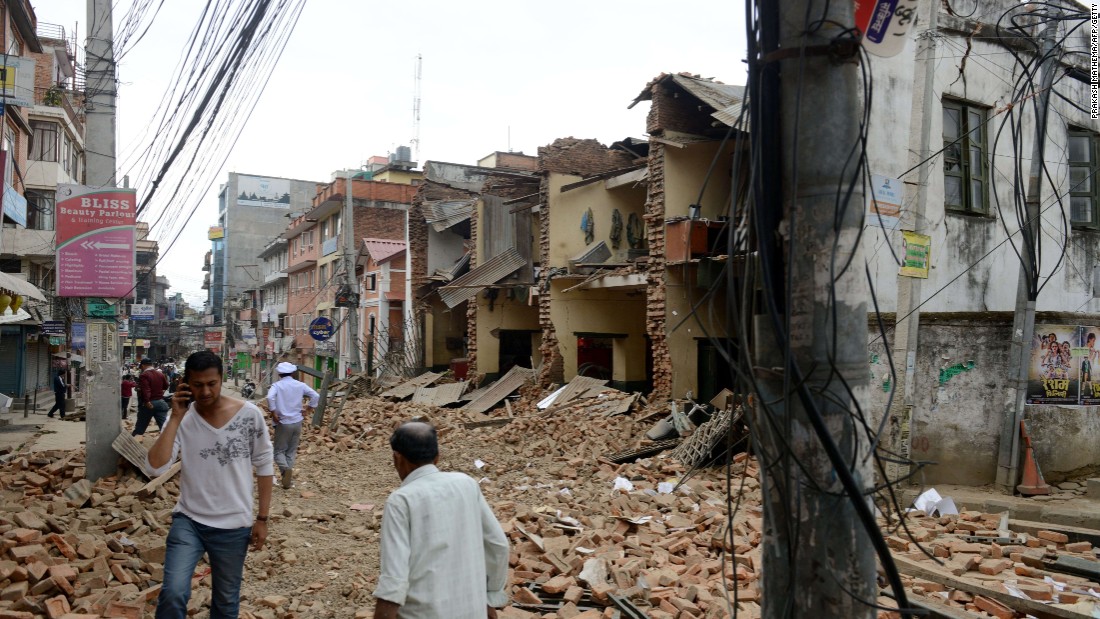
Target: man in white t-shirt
284,398
218,440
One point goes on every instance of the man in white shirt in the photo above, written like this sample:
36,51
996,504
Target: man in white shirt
444,555
284,398
219,440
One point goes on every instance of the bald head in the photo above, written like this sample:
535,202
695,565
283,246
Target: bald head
416,441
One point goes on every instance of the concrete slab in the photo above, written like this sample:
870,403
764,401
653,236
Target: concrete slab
1093,488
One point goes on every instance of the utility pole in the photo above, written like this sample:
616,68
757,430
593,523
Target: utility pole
104,423
817,559
349,277
907,321
1023,322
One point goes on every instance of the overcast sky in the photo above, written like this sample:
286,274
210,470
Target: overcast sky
343,90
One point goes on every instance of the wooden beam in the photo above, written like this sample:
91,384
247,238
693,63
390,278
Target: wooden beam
1075,534
928,572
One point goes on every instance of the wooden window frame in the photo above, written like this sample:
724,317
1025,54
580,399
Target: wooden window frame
1091,188
965,169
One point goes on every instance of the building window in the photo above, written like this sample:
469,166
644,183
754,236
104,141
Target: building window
1084,189
965,166
324,275
43,141
372,282
40,209
67,153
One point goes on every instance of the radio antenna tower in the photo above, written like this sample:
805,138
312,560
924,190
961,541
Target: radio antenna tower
416,108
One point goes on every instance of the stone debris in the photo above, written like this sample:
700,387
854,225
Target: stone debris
588,535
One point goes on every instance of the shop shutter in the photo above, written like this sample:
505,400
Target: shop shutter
11,362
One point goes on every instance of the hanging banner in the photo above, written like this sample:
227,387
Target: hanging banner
1053,373
884,202
885,24
916,254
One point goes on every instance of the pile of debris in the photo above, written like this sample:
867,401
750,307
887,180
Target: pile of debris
993,566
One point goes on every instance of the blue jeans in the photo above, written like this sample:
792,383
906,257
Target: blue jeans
225,551
145,415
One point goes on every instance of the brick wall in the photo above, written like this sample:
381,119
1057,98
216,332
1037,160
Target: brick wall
655,277
552,369
517,161
365,190
671,113
471,306
379,221
581,157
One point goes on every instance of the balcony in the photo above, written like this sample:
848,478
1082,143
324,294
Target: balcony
330,246
25,242
271,278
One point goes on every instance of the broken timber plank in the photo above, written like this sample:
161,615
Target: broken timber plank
151,488
135,453
408,388
488,423
514,379
936,610
1040,610
1075,534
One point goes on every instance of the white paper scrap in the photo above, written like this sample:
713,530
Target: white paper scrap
479,464
622,483
665,487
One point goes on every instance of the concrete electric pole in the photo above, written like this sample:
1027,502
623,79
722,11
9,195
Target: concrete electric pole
811,345
103,420
349,277
1023,323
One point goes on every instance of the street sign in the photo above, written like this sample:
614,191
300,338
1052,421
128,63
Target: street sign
56,341
95,241
143,311
321,328
17,80
885,24
102,310
102,341
53,327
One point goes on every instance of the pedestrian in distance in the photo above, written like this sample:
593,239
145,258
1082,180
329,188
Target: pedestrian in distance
128,386
284,399
218,440
444,555
59,388
151,404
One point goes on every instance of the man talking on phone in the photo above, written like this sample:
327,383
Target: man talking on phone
218,440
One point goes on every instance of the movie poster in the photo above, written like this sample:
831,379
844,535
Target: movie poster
1087,357
1053,371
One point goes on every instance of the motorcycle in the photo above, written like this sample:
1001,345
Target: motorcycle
249,389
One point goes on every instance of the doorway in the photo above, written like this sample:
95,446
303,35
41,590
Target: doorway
595,357
515,350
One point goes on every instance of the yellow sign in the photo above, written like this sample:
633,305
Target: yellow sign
216,232
917,254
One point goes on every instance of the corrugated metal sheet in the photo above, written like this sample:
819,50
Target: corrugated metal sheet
718,96
576,387
460,267
443,214
408,388
514,379
441,395
484,275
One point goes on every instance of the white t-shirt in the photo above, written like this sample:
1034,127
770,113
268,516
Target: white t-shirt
216,477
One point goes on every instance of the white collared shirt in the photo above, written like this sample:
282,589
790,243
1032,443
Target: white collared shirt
285,398
444,555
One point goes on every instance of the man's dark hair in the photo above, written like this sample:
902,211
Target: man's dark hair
146,361
416,441
203,360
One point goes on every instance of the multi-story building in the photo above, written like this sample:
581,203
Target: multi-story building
272,301
42,142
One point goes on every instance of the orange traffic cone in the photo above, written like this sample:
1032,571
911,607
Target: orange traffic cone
1033,482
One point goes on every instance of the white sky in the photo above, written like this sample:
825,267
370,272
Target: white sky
343,90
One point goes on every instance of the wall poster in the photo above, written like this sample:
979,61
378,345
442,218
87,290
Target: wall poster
1065,365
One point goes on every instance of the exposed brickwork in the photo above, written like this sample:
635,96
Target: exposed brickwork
365,190
471,306
517,161
552,369
581,157
656,277
669,112
379,221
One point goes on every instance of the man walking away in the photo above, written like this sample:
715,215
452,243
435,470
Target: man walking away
59,395
128,386
218,440
444,555
151,404
284,398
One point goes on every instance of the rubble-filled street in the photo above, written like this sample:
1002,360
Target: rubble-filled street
590,537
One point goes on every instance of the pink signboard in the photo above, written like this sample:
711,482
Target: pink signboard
95,241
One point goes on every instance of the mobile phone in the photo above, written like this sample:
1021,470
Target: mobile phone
186,382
